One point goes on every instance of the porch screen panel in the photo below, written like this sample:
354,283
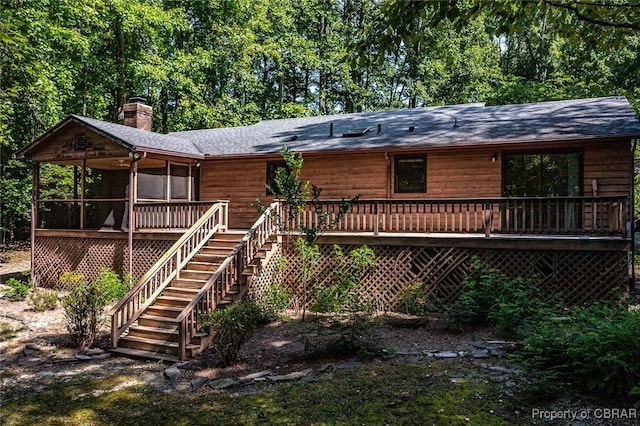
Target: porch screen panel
152,184
179,182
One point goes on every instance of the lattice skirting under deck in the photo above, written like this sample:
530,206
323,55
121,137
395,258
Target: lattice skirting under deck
54,256
578,276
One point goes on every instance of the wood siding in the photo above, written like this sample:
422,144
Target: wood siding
451,173
62,149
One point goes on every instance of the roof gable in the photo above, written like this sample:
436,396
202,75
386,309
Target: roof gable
124,137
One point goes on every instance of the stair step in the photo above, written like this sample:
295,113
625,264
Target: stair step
160,334
166,323
172,301
197,275
153,345
180,292
229,244
187,283
136,353
208,258
202,266
164,311
230,235
219,252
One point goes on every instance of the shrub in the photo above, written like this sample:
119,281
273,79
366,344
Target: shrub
511,305
84,312
233,326
348,315
17,290
594,348
69,280
110,284
416,299
43,300
275,301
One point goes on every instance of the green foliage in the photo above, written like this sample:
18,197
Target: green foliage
347,313
43,300
275,301
233,326
84,312
416,298
68,280
111,286
595,348
511,305
17,290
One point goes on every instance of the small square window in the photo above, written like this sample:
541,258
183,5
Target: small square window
411,174
272,168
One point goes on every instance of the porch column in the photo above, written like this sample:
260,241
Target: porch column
133,170
83,187
35,196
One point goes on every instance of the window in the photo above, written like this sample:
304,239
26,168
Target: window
411,174
272,168
542,174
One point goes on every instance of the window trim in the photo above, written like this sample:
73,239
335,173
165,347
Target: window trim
396,160
272,166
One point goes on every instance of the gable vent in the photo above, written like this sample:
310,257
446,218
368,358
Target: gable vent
80,142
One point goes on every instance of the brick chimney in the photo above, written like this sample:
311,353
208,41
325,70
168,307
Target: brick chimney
137,114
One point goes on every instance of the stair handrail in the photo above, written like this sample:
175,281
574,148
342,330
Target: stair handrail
218,284
156,279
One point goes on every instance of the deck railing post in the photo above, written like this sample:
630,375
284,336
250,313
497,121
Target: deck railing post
376,225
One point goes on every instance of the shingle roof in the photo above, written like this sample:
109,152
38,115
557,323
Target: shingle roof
455,125
137,138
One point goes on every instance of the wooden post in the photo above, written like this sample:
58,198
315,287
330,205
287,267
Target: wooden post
488,219
83,187
35,195
133,170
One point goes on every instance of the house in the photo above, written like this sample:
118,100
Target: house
540,190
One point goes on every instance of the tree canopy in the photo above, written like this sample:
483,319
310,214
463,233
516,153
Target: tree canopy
204,64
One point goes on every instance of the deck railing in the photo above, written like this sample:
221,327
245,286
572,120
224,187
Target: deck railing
140,297
168,215
525,215
225,276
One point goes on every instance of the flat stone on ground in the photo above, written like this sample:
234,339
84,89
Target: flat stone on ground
222,383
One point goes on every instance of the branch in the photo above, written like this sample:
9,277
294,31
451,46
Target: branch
591,20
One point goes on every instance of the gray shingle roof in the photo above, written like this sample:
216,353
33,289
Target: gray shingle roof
456,125
137,138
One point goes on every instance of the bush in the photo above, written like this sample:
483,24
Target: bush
511,305
43,300
233,326
17,290
275,302
348,315
417,299
84,312
69,280
594,348
110,284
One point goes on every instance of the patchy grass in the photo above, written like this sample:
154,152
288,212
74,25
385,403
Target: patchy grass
439,393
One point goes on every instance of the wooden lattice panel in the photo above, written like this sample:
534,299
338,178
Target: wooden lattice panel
54,256
579,276
145,254
267,274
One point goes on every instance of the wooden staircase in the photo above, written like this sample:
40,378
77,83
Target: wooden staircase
155,334
208,268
